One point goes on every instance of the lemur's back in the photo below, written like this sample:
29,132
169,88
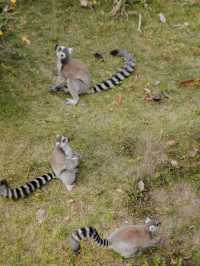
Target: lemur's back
75,69
134,234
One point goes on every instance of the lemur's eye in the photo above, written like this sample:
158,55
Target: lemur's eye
59,49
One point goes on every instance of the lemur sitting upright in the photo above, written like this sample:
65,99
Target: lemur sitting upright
64,163
74,76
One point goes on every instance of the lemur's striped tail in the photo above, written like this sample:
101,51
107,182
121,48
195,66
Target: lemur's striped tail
87,232
26,189
122,73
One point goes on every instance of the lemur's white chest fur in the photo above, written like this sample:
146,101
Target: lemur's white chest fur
59,66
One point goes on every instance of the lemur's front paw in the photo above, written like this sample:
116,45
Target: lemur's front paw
71,101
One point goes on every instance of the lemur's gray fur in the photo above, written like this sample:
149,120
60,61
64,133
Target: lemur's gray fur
64,163
127,240
74,77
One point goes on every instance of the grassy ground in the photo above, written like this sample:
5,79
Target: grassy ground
121,142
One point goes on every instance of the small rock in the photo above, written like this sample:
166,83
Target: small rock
162,18
119,190
71,201
157,97
67,219
171,142
157,82
141,185
40,215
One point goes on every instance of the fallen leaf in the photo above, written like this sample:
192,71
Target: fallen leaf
181,25
162,18
147,94
174,163
13,2
1,33
119,99
137,77
190,83
98,56
147,91
194,152
67,219
189,257
25,40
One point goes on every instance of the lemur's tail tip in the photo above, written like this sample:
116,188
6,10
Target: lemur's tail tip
114,52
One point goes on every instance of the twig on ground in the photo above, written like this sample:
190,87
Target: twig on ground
139,22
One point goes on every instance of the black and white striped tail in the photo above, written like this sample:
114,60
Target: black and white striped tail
84,233
26,189
122,73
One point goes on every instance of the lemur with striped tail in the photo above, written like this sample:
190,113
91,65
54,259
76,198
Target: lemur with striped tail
64,163
75,78
127,240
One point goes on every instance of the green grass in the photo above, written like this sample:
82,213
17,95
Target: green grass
119,144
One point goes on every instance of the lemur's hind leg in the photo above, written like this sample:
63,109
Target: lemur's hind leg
68,178
74,88
59,85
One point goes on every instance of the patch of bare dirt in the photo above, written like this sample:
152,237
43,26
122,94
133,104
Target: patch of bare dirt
179,208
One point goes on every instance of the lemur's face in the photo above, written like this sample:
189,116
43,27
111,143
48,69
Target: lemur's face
63,53
61,141
152,224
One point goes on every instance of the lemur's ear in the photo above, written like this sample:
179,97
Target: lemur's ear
55,47
147,220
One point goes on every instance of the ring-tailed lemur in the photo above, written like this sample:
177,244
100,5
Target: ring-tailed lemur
64,163
74,76
126,240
